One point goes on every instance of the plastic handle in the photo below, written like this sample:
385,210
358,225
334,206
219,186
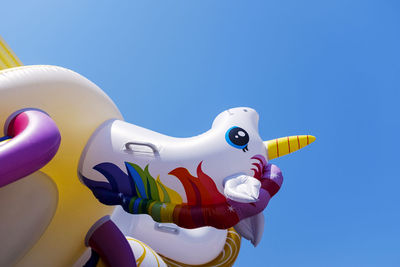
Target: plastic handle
128,146
167,229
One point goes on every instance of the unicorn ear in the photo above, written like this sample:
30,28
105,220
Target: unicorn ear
32,139
285,145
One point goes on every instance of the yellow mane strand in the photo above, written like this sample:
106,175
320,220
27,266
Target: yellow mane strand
7,57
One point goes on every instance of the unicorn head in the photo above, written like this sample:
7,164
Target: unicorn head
220,178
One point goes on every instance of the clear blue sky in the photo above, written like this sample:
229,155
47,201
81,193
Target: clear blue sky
327,68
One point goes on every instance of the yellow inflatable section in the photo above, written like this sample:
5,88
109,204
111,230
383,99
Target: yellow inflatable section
78,107
7,57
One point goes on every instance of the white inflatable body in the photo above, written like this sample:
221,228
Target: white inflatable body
188,246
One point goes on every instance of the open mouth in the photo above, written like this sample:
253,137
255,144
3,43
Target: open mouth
270,176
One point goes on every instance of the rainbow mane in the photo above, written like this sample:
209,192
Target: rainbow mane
139,193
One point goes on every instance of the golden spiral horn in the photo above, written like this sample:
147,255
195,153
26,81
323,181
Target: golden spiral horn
285,145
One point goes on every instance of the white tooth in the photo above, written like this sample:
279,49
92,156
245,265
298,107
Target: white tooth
251,228
242,188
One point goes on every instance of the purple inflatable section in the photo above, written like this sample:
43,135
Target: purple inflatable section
35,139
107,240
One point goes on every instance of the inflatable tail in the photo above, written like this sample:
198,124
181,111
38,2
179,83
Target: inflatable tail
7,57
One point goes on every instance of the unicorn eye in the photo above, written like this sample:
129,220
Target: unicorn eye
238,138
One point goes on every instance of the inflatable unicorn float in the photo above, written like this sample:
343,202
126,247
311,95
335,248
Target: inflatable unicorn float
68,159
